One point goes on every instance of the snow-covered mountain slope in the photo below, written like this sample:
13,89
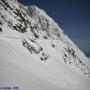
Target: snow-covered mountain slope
35,54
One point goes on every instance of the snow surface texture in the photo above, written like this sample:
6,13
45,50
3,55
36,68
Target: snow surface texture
35,54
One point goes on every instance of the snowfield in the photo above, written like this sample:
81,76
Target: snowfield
35,54
19,68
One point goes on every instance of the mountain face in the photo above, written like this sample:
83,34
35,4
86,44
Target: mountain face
35,54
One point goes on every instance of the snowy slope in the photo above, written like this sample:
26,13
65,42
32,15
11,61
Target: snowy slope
35,54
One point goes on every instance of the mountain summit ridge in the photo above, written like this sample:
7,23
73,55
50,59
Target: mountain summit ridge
34,42
35,22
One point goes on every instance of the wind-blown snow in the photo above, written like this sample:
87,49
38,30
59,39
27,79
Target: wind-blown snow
35,54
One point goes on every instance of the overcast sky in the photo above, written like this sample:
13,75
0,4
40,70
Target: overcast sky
73,16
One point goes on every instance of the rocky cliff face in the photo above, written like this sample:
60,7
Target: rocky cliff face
40,35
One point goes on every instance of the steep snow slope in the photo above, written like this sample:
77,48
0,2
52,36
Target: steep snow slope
35,54
20,68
